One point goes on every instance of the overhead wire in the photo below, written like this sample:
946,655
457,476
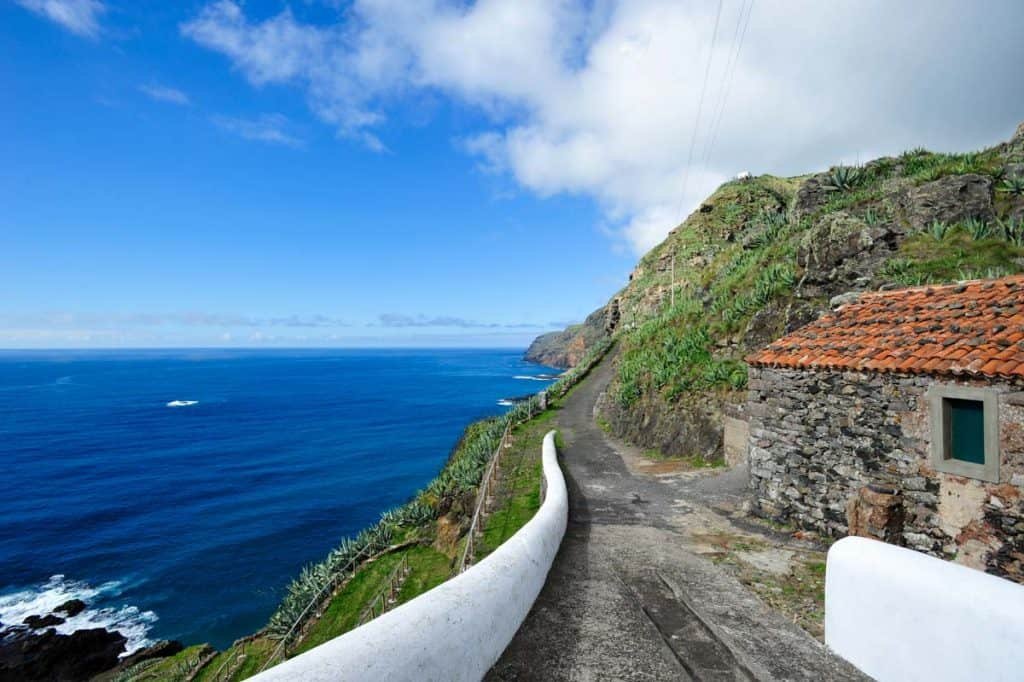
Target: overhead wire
738,39
700,108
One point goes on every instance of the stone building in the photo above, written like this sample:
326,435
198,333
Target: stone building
900,416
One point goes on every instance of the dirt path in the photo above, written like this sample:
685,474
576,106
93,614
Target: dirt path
630,596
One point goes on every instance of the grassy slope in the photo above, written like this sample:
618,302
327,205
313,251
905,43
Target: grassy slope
739,263
431,556
517,495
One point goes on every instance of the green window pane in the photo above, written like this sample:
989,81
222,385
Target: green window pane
967,430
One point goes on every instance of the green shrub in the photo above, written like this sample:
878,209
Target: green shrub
872,217
1012,230
977,228
938,230
1013,186
844,178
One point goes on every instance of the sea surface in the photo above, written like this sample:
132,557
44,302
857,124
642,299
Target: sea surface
178,492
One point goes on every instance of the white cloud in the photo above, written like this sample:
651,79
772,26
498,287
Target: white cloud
601,98
81,17
162,93
271,128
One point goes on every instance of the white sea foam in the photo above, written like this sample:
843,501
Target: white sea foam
131,622
182,403
536,377
505,402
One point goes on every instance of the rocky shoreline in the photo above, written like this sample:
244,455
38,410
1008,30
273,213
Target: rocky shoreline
34,650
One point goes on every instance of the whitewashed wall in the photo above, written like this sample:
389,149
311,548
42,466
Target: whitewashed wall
901,615
459,629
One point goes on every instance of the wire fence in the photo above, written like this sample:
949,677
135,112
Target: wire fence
389,594
347,571
468,551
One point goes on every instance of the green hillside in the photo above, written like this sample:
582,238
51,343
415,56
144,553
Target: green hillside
763,256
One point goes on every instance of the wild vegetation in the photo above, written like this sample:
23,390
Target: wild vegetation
764,255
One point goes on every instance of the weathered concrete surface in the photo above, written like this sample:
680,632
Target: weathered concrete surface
629,597
888,605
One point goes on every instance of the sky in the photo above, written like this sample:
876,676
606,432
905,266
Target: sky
428,172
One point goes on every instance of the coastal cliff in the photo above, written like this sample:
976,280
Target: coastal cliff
763,256
568,347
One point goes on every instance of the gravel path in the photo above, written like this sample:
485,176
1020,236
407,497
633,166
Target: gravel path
628,598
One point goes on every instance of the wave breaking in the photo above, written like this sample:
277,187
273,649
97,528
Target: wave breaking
43,599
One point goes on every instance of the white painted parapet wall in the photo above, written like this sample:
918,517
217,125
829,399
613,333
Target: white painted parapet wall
459,629
900,615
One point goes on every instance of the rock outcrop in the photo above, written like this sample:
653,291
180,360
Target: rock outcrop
162,649
35,650
950,200
47,655
71,608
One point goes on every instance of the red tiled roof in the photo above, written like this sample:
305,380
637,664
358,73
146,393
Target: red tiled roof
973,328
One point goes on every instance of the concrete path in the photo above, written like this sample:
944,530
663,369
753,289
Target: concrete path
628,598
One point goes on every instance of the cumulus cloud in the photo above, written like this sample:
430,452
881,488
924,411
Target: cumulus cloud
162,93
607,99
81,17
270,128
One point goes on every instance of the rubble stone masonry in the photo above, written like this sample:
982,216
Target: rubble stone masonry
831,449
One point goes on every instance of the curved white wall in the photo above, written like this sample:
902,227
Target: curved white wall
901,615
459,629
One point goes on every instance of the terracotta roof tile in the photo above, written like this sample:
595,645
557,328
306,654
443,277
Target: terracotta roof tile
974,328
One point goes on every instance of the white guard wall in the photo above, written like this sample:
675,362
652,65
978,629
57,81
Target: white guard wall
459,629
900,615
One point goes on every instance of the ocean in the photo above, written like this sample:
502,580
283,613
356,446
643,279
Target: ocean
178,492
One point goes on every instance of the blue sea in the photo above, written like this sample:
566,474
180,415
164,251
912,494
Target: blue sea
178,492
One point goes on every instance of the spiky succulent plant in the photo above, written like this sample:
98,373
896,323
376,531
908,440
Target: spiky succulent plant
844,178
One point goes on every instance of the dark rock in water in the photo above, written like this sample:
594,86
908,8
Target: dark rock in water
71,607
50,656
40,622
162,649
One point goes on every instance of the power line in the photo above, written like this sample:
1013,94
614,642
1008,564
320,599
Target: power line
700,108
717,108
730,72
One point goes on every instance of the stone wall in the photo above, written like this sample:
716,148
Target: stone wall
819,438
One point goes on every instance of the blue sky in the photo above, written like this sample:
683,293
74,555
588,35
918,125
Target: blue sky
420,172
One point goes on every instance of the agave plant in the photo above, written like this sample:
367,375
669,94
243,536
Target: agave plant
1012,230
897,268
912,153
978,229
938,230
1013,186
416,513
844,178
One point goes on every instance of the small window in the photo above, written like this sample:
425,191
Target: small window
965,431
